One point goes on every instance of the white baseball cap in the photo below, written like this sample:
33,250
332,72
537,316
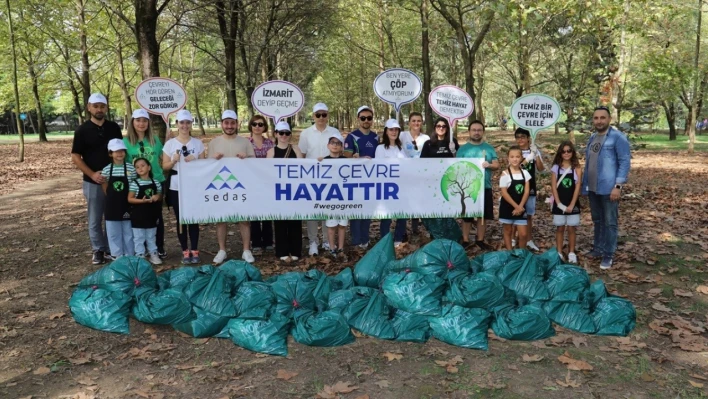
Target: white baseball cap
229,114
392,124
282,126
97,98
184,115
364,108
116,145
320,107
337,136
140,113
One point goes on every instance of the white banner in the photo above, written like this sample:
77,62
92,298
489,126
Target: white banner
232,189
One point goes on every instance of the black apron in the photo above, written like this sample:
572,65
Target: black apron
516,192
531,168
566,189
117,208
145,216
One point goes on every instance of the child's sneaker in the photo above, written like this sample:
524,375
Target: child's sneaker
530,245
248,256
186,258
195,257
513,243
333,252
162,254
220,257
560,256
606,263
572,258
155,259
397,244
313,249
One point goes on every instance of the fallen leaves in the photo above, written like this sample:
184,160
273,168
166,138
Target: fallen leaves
42,371
285,375
574,364
383,384
568,383
660,307
531,358
333,391
56,315
390,356
695,384
450,365
703,289
683,333
682,293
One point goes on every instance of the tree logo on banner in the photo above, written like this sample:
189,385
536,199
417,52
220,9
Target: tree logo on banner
224,180
463,180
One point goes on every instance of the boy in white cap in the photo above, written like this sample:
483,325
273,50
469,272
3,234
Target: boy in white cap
336,227
89,152
230,145
313,144
117,177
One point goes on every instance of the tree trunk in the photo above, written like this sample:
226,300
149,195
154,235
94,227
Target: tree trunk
425,47
670,112
85,65
196,96
123,83
228,28
146,14
615,79
41,125
20,127
696,71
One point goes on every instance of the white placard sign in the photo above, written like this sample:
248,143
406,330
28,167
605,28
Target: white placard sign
535,112
277,99
451,103
398,87
161,96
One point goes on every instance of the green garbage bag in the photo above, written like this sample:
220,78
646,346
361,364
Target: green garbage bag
241,271
548,260
101,309
342,281
176,278
523,276
124,274
328,328
570,315
566,283
413,292
614,316
524,323
298,290
438,257
368,272
211,290
490,262
265,336
254,300
483,290
443,228
340,299
409,327
594,294
462,327
369,313
206,324
169,306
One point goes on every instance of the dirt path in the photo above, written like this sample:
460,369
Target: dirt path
44,252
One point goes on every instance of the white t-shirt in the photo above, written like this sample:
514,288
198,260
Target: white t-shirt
390,152
505,179
313,143
408,147
194,147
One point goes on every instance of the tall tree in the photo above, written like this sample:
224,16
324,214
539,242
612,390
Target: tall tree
18,121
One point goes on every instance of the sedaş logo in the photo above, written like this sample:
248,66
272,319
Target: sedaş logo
225,180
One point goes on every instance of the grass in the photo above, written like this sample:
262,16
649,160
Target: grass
53,136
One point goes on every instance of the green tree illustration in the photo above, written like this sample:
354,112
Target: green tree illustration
464,180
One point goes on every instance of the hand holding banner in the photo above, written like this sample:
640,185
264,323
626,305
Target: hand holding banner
398,86
161,96
535,112
277,99
451,103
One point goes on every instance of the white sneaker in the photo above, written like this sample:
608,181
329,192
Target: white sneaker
572,258
248,256
155,259
560,255
364,245
325,246
313,249
530,245
294,258
397,244
284,258
513,243
220,257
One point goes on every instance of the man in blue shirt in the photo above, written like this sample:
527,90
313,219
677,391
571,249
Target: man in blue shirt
361,143
607,163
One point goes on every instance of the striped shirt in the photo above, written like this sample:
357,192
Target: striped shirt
118,171
134,183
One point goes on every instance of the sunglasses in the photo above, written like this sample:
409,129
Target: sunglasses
567,151
441,126
142,147
366,118
283,133
318,115
185,151
257,124
336,143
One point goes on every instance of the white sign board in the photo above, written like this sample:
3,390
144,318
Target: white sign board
535,112
451,103
161,96
277,99
398,86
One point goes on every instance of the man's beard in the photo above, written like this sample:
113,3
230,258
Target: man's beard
230,134
98,116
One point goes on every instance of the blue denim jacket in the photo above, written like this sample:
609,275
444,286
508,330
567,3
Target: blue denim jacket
613,162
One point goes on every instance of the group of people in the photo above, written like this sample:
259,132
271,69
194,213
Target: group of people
125,180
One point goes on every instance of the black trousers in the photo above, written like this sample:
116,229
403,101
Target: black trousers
190,229
288,238
261,234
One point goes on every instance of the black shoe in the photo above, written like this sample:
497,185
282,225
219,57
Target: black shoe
162,254
484,246
98,258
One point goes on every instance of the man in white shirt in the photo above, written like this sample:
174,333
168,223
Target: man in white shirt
231,145
313,144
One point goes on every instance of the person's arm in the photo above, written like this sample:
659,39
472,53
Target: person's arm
554,184
270,153
78,160
425,150
250,152
104,186
169,160
297,151
624,156
379,153
539,161
302,143
133,200
492,155
350,147
576,193
527,188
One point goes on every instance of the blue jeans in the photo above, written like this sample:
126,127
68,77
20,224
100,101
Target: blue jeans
399,231
360,231
143,237
604,219
96,200
120,238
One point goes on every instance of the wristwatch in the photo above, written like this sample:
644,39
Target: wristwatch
618,186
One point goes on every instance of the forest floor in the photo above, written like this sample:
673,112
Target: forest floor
661,267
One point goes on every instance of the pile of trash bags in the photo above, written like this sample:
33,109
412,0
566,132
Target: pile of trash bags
436,291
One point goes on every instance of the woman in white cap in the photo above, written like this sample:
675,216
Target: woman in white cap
117,176
391,147
187,147
141,143
288,233
261,231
